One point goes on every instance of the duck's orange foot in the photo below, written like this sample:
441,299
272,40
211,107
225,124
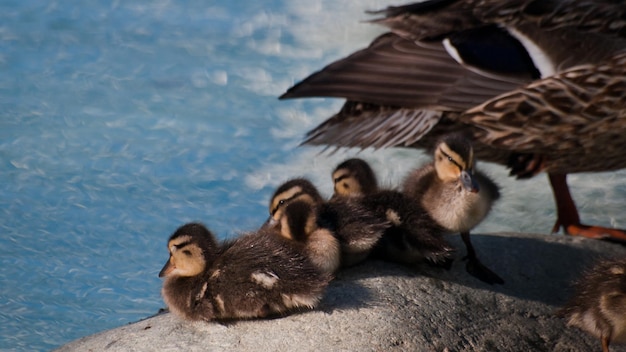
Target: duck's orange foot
596,232
568,219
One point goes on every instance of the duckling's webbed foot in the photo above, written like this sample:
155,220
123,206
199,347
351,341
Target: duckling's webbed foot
474,267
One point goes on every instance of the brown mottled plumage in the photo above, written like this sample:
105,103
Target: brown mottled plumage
299,223
413,235
356,228
354,178
253,276
598,305
537,84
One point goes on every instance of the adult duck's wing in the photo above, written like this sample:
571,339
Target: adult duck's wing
556,34
364,125
394,71
607,17
438,18
407,87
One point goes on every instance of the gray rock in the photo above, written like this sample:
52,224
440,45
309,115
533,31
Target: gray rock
380,306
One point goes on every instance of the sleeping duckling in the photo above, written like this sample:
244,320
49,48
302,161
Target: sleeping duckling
354,178
356,228
299,224
599,304
413,235
253,276
455,195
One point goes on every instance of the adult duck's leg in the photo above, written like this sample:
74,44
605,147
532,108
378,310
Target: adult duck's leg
475,267
606,340
568,218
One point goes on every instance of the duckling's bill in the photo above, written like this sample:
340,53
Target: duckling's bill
167,269
469,182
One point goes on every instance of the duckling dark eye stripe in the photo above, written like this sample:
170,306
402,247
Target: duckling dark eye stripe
342,177
181,245
451,159
296,195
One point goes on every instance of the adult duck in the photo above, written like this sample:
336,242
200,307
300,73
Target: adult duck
537,84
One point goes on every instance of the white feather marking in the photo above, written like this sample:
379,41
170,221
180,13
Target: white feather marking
541,60
266,279
220,304
393,217
452,51
292,301
324,250
200,294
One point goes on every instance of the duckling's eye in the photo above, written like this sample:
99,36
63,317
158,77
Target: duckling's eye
281,202
450,159
187,252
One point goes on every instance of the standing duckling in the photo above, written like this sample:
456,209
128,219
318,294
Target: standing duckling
413,235
599,303
455,195
299,224
356,228
253,276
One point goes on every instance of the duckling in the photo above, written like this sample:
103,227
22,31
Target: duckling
455,195
252,276
553,105
599,303
354,178
356,228
413,235
299,224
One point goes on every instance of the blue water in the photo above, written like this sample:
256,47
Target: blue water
121,121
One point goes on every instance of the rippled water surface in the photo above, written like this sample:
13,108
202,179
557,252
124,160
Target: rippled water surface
120,121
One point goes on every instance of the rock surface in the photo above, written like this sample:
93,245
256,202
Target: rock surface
378,306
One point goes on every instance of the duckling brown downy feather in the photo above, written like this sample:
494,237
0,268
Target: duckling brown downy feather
537,84
356,228
253,276
455,195
413,235
598,305
354,178
298,223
